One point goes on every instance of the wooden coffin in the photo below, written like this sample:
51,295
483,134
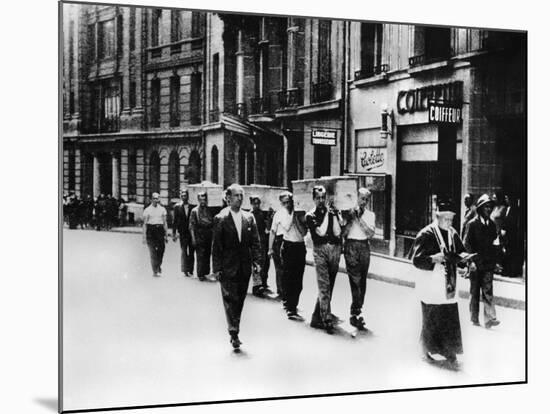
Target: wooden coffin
268,194
341,192
215,193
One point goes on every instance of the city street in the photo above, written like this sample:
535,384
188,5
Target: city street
131,339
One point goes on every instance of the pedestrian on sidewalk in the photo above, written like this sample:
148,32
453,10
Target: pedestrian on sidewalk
275,242
235,253
469,213
359,228
324,224
260,286
155,232
180,226
479,238
437,251
201,224
293,256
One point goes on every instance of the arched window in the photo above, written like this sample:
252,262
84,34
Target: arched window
132,175
242,166
173,175
154,173
214,164
193,172
72,169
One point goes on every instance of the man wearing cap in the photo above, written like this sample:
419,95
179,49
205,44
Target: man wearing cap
275,242
260,280
469,213
437,251
359,228
324,224
155,230
479,238
182,210
235,252
200,228
293,255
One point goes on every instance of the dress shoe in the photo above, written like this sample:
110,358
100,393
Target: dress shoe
358,322
258,291
475,323
202,278
295,316
316,325
491,323
235,341
329,328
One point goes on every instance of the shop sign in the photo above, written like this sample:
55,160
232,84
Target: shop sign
417,100
324,136
370,159
444,114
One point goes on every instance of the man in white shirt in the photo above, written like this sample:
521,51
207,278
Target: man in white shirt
293,255
359,228
155,232
274,245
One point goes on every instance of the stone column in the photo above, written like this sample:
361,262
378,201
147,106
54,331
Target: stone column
285,162
164,196
138,110
115,175
124,174
96,176
125,66
76,68
140,176
77,173
240,67
66,171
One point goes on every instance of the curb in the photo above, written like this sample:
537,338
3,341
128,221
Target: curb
463,294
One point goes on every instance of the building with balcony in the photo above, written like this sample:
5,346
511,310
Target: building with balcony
434,110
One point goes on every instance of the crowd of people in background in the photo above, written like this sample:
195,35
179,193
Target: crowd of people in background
102,213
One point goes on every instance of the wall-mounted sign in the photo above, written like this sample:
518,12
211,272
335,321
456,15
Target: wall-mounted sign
370,159
415,100
324,136
444,114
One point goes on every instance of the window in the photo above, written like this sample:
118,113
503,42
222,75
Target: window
106,39
155,27
430,44
132,94
193,171
174,174
197,24
324,63
111,107
119,33
175,29
91,42
132,28
195,98
71,169
250,166
132,172
154,173
174,101
371,50
155,103
215,80
214,163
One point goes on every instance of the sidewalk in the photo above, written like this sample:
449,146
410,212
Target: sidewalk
508,292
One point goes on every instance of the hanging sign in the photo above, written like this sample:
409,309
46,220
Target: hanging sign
370,159
324,136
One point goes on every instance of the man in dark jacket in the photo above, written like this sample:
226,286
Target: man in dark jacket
479,238
180,225
235,250
200,227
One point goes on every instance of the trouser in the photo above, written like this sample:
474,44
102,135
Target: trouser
233,295
278,265
155,241
265,268
203,251
327,259
482,281
293,257
187,251
357,257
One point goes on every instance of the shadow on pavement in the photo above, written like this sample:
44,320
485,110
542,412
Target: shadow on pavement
49,403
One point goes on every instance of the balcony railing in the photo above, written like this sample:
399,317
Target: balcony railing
260,105
424,59
186,46
214,115
291,98
371,71
321,92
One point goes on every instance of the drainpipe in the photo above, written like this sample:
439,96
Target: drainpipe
344,103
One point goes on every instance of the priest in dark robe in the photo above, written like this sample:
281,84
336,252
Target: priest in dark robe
437,252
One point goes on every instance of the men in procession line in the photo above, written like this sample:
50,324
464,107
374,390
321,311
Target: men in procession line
479,238
293,255
260,280
235,252
437,251
324,226
469,213
359,228
182,211
201,223
155,232
275,242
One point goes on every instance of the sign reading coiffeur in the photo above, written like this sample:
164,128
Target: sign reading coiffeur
370,159
444,114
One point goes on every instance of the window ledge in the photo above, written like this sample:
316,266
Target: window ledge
381,78
429,67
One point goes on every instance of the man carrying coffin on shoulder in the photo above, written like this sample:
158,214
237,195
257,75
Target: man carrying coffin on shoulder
437,251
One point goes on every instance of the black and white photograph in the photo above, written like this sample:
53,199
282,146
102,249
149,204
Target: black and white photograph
265,206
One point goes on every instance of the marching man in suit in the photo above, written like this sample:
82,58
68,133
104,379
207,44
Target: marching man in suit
181,226
235,250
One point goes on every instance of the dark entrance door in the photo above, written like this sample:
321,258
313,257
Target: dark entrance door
105,173
321,160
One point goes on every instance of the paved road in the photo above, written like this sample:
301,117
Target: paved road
131,339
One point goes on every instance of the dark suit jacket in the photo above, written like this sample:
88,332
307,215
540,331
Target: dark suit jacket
201,222
234,259
181,220
479,239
